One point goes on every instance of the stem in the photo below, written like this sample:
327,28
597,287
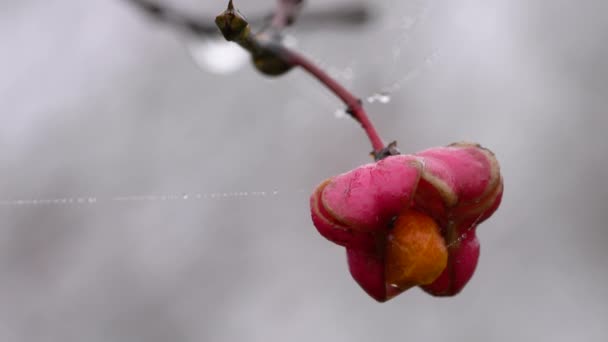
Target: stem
355,107
342,15
273,58
179,20
285,13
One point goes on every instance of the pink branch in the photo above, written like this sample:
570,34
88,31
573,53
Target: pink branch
273,58
355,108
285,14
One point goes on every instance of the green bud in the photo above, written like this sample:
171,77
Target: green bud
232,24
264,55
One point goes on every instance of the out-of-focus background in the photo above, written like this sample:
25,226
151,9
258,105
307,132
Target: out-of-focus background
153,190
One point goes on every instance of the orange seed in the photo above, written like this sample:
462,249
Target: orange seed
416,253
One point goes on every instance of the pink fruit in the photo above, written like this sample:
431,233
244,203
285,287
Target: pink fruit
430,203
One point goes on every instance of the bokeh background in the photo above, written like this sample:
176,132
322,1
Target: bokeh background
124,165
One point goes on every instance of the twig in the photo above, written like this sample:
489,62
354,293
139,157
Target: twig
174,18
354,104
341,15
269,55
286,13
269,51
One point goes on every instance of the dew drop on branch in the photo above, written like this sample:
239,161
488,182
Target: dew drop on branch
215,56
340,113
382,97
290,41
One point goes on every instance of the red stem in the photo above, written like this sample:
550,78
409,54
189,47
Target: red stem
285,13
355,106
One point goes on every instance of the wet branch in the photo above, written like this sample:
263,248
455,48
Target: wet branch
353,104
169,16
267,49
269,55
286,13
344,15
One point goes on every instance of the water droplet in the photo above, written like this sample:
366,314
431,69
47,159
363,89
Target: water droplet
218,57
382,97
340,113
290,41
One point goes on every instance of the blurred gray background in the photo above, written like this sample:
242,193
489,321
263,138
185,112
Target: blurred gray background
100,106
